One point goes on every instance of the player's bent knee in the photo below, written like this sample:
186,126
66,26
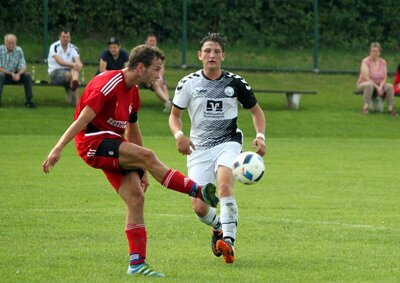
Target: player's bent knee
150,159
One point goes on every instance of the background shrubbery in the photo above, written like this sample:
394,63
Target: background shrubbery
275,23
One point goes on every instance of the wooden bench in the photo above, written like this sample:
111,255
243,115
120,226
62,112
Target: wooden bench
292,96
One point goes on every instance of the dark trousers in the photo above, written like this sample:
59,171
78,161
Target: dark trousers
25,79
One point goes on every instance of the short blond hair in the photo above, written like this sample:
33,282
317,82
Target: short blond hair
376,45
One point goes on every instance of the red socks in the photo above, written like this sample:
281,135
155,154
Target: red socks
176,181
137,239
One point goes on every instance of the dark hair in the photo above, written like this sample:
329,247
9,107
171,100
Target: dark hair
151,34
215,37
65,29
144,54
398,68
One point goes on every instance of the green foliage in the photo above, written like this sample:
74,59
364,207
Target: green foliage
342,24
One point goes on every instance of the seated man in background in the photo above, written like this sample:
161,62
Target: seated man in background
159,86
114,58
65,66
13,68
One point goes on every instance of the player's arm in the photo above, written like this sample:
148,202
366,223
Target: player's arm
102,65
61,62
78,125
78,63
133,134
183,144
259,125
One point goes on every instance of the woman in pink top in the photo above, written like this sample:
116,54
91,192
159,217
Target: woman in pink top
373,76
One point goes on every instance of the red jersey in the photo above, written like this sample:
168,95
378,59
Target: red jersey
396,84
114,103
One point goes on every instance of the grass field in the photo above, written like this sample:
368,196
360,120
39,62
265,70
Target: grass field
326,211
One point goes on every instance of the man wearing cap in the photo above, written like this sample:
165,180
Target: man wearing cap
114,58
65,65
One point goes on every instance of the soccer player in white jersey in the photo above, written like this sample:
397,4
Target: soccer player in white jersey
211,96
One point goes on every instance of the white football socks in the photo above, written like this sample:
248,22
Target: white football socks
229,216
211,218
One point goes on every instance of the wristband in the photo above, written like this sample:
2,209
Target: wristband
260,135
177,134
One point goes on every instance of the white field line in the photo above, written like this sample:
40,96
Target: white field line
258,218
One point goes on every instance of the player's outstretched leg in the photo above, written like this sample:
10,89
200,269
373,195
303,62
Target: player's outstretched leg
143,269
176,181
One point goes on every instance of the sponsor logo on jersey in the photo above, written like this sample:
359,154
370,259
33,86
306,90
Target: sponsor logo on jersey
214,105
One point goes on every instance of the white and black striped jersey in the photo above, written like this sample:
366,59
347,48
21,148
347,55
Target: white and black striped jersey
213,106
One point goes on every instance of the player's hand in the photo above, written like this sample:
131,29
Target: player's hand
260,143
184,145
144,182
51,160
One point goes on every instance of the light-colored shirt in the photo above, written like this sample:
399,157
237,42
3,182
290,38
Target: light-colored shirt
12,61
66,55
376,73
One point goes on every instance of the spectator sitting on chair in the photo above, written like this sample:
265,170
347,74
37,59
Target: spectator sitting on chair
114,58
13,68
159,86
396,82
65,66
373,76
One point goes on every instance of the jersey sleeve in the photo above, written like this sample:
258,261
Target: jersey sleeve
133,116
246,95
182,94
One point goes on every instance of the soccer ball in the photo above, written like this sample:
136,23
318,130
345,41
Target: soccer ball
248,168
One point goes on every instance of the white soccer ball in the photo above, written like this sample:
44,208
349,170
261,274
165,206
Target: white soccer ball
248,168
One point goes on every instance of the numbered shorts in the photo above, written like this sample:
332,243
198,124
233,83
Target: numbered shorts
103,153
203,164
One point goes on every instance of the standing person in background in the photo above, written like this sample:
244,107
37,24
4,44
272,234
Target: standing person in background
160,85
211,96
114,58
65,66
13,68
107,113
373,77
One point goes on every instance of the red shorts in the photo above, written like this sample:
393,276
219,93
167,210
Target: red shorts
102,152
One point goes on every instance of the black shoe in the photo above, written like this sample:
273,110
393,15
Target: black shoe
30,105
216,235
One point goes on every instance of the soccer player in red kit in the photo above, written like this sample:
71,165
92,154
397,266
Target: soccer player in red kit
108,137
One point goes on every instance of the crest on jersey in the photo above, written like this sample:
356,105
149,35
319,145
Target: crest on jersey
229,91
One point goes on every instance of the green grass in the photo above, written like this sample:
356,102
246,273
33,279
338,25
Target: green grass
326,211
